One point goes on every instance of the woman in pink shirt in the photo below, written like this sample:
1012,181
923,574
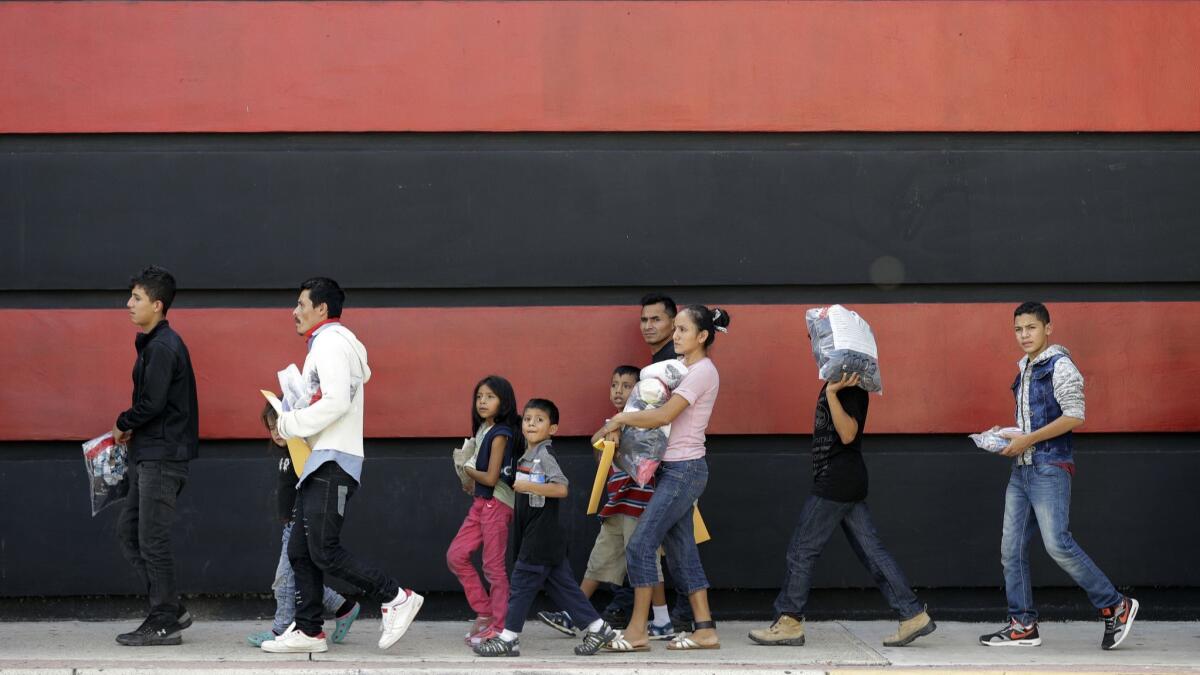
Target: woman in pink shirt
667,520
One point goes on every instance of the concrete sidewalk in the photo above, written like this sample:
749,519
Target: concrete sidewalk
76,648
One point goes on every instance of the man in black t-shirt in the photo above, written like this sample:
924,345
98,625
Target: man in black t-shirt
838,498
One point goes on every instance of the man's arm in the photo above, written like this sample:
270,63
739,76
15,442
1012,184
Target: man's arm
333,368
847,426
157,363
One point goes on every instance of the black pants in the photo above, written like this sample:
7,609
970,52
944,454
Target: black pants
144,527
560,584
316,548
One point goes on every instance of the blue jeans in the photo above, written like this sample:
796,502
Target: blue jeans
285,589
559,583
1039,498
818,519
667,522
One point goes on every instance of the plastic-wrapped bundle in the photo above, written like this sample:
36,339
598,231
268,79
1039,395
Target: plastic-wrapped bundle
106,463
296,393
641,450
993,440
463,457
843,344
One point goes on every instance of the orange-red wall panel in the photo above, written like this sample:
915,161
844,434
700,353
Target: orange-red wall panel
946,367
636,66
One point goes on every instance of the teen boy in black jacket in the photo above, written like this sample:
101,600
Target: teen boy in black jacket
162,431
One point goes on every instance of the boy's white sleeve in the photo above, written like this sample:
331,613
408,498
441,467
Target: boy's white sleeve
332,363
1068,388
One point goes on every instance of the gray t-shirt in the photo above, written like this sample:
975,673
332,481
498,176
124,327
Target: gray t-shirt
538,538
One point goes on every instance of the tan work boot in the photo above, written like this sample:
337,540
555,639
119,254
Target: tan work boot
785,631
911,629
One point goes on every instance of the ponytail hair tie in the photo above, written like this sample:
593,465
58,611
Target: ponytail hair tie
717,315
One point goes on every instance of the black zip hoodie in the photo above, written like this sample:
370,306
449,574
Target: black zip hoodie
165,418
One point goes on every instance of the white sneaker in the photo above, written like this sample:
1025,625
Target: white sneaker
398,615
295,642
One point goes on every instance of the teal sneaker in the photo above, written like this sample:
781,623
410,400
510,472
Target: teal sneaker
256,639
341,624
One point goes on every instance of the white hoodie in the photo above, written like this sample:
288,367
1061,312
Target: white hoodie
336,368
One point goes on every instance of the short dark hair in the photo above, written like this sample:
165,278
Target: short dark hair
627,370
708,319
657,298
158,284
1035,308
325,291
545,405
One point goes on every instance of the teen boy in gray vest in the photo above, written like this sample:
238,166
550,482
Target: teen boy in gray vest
1049,404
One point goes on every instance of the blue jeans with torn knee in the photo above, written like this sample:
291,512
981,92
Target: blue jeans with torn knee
1039,499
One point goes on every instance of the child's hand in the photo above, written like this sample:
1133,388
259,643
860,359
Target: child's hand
615,437
611,426
848,380
469,487
521,486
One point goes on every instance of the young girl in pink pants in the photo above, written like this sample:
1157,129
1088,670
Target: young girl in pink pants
495,421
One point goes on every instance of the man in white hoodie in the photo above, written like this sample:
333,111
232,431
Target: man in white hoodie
335,372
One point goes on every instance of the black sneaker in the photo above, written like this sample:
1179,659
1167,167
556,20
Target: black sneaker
1118,620
182,617
157,630
594,640
615,616
559,621
1013,635
498,646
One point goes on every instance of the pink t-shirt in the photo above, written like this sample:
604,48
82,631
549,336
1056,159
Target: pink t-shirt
699,387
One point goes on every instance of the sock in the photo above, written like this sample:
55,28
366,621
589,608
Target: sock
400,598
347,606
509,636
661,615
595,625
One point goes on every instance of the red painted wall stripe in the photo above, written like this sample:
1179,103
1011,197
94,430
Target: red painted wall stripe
633,66
947,367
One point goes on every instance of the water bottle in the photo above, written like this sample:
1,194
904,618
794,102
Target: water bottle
536,475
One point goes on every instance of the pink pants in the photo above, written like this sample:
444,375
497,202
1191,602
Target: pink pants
486,526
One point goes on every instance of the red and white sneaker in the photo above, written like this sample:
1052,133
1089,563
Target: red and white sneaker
1013,635
398,615
1118,620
